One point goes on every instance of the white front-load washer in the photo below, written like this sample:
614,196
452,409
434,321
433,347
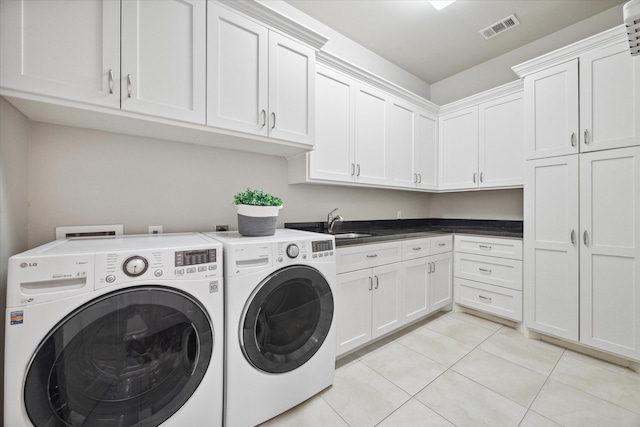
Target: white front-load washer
279,329
115,331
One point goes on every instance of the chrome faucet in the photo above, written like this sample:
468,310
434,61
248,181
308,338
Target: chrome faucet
331,220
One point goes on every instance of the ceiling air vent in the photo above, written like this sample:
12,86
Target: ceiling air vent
499,27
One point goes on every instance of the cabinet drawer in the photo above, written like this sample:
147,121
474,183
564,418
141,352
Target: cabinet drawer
492,246
496,271
359,257
441,244
416,248
491,299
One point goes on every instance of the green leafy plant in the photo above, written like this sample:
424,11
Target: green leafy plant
256,198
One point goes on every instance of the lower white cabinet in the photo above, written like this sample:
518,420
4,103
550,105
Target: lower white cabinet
488,275
582,269
387,285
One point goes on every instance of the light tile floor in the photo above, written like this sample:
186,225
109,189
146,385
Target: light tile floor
461,370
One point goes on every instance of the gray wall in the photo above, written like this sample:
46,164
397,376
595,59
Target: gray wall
14,130
497,71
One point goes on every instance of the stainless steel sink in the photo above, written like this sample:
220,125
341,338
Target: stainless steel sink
350,235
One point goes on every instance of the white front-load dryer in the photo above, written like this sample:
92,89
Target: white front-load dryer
280,333
115,331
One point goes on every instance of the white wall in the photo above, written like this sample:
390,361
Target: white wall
497,71
82,177
14,128
486,204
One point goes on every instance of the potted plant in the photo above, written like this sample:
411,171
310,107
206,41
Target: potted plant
257,212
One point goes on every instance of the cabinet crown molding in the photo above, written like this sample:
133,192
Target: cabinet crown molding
487,95
614,35
352,70
278,21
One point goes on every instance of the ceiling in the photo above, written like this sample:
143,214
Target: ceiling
434,45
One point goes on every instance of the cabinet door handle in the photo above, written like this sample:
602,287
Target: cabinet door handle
481,179
485,247
263,113
353,169
474,177
586,136
377,282
573,139
430,269
415,178
358,169
273,120
482,297
484,270
372,255
434,267
370,283
129,86
573,237
110,81
419,178
585,238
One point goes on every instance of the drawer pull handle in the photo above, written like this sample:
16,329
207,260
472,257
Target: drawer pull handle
372,255
482,297
486,247
485,270
442,244
417,248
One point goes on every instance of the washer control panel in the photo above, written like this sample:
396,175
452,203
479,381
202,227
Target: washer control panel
302,250
118,267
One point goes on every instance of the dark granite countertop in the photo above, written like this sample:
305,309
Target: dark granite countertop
399,229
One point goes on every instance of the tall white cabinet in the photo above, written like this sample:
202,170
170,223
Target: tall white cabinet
582,196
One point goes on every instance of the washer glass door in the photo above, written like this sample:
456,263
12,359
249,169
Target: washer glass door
287,319
131,357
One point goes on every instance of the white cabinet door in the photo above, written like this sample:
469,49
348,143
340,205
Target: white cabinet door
458,149
440,281
371,135
291,90
609,99
353,310
551,234
63,49
501,142
426,150
332,158
402,138
387,299
237,72
164,58
551,111
610,250
415,277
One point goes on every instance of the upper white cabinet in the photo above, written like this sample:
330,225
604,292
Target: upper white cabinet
481,146
163,58
588,103
72,50
67,50
371,137
259,81
413,146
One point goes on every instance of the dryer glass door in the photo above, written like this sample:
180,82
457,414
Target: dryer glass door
287,319
132,357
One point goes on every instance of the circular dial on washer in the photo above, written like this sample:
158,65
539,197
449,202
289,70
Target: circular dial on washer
135,266
293,250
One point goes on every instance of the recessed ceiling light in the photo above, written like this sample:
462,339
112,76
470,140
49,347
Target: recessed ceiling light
440,4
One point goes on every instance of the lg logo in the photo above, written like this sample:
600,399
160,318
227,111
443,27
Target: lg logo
28,264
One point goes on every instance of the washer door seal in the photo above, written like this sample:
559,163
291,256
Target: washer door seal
131,357
287,319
